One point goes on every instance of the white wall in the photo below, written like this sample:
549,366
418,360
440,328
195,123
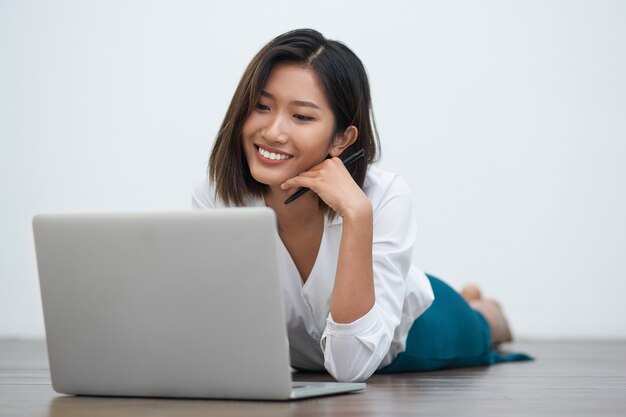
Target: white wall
507,118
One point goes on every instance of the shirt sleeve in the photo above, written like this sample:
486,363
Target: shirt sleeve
353,351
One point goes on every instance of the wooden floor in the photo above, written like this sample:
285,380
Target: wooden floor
569,379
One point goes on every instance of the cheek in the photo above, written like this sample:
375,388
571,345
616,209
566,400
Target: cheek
321,138
248,127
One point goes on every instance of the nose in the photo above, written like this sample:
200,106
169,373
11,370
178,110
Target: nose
275,130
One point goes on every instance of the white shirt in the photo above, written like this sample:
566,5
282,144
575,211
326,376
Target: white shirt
353,351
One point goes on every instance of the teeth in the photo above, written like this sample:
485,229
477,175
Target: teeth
273,156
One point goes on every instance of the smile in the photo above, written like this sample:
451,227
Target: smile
274,156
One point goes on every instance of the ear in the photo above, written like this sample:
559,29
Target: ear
343,140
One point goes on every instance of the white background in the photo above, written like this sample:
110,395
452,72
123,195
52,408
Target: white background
506,118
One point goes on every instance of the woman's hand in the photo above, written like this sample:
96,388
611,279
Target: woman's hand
332,182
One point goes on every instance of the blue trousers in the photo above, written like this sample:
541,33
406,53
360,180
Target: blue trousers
450,334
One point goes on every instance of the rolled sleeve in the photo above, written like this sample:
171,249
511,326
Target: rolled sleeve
353,351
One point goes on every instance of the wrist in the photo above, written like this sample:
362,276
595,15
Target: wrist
358,212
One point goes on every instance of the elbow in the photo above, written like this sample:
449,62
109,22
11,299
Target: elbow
343,373
355,355
351,376
356,366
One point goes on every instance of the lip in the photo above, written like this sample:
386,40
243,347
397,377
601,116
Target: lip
270,149
270,161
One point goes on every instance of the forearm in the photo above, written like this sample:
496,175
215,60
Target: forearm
353,292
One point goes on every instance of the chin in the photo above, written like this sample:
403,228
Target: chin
265,179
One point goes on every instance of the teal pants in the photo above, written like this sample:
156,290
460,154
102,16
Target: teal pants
450,334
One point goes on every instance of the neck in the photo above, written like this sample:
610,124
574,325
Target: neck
302,212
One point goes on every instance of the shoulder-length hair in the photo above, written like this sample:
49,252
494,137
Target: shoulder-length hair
344,80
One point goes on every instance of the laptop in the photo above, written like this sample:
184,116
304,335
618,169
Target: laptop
167,304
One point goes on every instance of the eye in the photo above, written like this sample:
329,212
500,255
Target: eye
302,117
262,107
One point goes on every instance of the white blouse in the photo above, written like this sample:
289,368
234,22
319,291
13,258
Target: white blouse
353,351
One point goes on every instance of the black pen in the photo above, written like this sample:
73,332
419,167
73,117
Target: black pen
349,160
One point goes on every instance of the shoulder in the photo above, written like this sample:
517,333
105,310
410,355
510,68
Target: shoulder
381,186
205,196
394,216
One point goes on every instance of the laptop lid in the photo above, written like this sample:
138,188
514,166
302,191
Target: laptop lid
170,304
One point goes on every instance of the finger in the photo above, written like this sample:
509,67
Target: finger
299,181
326,163
309,174
329,166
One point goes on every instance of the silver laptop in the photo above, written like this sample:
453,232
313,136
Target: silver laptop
172,304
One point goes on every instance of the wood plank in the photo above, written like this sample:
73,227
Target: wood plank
568,378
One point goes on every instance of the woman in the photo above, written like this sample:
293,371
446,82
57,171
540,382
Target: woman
354,302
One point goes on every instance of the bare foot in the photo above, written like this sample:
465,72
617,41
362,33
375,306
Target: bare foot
491,309
471,292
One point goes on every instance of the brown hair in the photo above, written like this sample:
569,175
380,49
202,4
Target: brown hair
344,80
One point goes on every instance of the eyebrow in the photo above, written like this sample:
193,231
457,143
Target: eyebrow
296,102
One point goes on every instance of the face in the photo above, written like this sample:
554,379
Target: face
290,129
